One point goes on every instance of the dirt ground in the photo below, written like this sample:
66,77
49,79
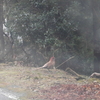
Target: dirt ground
33,82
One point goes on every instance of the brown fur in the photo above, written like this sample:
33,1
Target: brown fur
50,63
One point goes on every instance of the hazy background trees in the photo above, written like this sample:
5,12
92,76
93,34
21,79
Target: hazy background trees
35,30
1,32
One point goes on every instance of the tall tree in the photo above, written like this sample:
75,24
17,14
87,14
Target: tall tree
96,34
1,31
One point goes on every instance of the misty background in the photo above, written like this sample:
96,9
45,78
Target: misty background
32,31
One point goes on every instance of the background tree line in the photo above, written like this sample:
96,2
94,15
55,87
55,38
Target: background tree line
35,30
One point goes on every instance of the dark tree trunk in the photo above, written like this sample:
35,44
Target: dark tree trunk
1,32
96,34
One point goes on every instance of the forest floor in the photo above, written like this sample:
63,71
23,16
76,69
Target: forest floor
44,84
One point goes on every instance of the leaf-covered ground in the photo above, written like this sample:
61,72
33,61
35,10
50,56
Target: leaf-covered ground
72,92
44,84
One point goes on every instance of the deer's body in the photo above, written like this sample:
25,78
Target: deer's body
50,63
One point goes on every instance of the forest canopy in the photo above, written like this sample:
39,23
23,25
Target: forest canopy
35,30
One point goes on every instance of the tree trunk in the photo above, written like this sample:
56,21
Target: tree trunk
96,34
1,32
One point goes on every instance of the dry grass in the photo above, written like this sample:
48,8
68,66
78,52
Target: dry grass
30,81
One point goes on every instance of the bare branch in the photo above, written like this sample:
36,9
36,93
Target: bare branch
65,61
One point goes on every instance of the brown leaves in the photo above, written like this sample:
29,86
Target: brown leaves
72,92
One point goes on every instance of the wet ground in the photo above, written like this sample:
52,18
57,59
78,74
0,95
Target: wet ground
8,95
2,97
